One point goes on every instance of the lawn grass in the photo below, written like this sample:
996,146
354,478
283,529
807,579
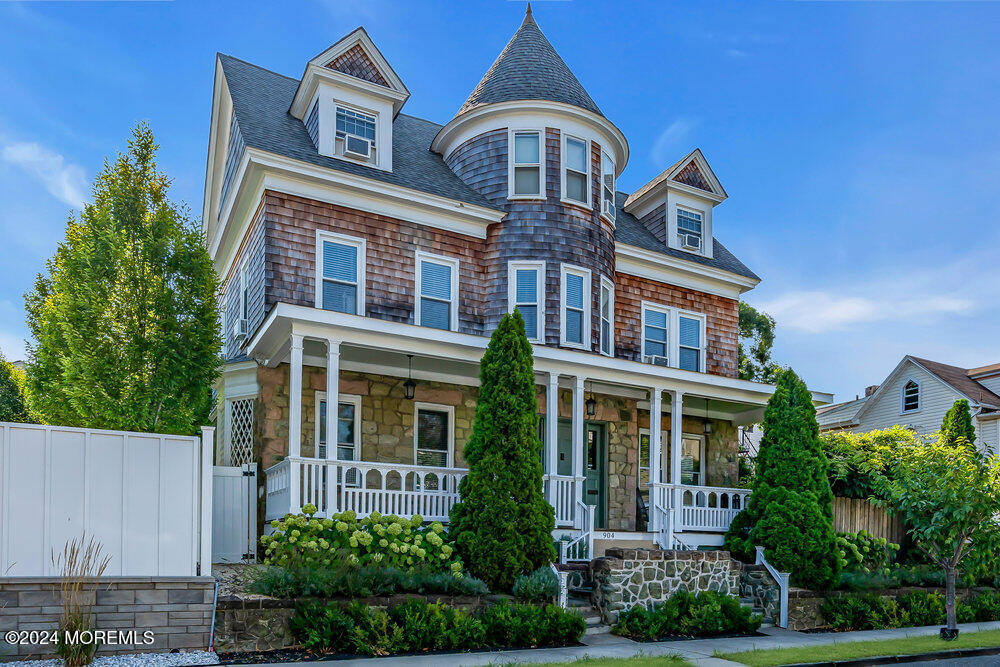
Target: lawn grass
638,661
870,649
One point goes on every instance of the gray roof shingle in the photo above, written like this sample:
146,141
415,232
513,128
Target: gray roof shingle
261,99
529,68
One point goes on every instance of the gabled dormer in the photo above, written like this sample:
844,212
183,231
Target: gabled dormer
347,98
677,205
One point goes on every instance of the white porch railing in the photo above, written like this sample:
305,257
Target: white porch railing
364,487
695,508
560,490
581,547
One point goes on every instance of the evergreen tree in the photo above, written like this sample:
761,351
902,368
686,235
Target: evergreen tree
503,524
125,318
957,426
13,402
790,512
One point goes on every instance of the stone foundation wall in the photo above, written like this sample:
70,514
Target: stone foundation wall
758,586
624,578
177,610
804,605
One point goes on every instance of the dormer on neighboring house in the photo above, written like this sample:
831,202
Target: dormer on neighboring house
347,98
676,206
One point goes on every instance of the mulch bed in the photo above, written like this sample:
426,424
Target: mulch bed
299,655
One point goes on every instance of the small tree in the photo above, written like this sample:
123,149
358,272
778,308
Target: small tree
125,319
503,524
949,498
957,427
754,345
13,401
790,512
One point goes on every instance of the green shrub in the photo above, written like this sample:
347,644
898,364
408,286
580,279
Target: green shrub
923,608
863,552
737,540
542,585
302,540
352,581
979,608
686,614
857,459
862,612
417,625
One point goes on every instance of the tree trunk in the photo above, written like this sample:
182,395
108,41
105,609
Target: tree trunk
949,579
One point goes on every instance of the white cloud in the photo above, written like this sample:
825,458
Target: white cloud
670,145
63,180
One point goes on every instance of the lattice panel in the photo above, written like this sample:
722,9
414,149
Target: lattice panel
241,432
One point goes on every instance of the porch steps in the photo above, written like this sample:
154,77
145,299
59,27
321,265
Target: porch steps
579,602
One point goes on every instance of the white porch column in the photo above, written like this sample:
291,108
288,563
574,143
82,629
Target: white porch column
332,397
552,429
655,475
295,423
676,433
578,454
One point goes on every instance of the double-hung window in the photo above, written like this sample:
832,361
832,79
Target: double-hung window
690,235
355,133
348,429
433,439
911,396
607,317
690,342
607,186
672,337
525,164
437,292
655,334
575,306
526,293
576,185
340,273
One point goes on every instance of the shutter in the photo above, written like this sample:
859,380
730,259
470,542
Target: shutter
340,262
435,280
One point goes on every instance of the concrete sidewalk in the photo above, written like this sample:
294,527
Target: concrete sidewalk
698,651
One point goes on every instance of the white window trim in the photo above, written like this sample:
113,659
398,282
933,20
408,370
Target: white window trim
589,203
244,313
606,283
664,457
362,245
420,256
539,267
353,399
435,407
614,188
510,162
701,459
673,333
588,297
902,396
337,104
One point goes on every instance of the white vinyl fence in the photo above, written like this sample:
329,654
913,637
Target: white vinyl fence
234,513
139,494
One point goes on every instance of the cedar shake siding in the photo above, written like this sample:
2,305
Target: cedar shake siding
537,230
721,320
656,222
234,154
354,62
290,229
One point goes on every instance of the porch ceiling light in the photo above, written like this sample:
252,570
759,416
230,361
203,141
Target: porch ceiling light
591,405
708,422
409,387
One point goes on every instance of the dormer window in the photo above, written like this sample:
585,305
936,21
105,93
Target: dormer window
355,134
690,235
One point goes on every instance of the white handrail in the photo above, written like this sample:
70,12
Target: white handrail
782,579
573,548
563,597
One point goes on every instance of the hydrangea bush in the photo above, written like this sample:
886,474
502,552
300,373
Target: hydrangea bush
390,541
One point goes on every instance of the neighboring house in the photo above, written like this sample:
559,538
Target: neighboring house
367,255
917,394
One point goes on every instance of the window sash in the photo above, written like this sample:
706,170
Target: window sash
527,164
526,298
690,343
655,333
689,222
608,185
576,172
606,320
429,452
436,294
340,277
355,123
911,396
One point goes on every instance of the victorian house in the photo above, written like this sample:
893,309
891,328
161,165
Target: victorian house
367,255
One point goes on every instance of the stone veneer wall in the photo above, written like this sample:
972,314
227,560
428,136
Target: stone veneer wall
624,578
804,605
178,610
759,587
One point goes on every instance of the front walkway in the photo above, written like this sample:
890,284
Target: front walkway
698,651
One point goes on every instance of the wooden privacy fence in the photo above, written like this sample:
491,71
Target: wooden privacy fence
851,515
146,497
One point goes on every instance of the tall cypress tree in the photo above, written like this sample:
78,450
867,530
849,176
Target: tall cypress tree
790,512
957,426
503,524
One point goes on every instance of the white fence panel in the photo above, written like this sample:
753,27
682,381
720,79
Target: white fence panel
234,513
138,494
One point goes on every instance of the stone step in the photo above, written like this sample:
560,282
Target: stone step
597,630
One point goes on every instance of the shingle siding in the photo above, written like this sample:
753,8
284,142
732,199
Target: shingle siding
312,124
656,222
234,153
355,62
252,252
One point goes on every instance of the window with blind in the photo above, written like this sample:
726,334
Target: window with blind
607,317
525,164
575,173
340,269
654,334
437,288
526,293
690,339
575,306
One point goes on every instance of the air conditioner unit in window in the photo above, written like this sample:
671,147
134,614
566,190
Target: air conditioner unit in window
656,360
357,146
240,329
609,208
690,241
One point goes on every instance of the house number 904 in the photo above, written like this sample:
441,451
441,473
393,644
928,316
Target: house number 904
608,535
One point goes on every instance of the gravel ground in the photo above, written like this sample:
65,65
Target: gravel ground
135,660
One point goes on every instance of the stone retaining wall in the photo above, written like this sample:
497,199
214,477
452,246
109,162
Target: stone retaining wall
624,578
759,587
804,605
178,611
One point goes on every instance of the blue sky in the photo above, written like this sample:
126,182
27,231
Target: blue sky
858,141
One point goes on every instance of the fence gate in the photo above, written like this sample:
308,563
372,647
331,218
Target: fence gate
234,513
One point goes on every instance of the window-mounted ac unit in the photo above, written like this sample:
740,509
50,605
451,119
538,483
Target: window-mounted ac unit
656,360
690,241
609,208
240,329
357,146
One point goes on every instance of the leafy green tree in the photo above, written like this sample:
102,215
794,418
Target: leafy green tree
754,346
125,318
949,498
503,524
790,512
957,426
13,401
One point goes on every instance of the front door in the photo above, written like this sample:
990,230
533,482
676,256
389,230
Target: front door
595,469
